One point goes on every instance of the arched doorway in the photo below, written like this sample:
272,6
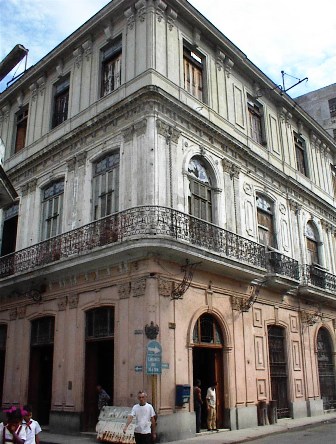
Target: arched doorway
41,367
326,369
208,362
99,361
278,369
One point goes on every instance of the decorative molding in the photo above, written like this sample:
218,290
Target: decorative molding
78,55
71,164
310,318
140,127
247,188
87,49
169,132
230,168
21,312
124,290
62,303
33,90
108,31
13,314
152,330
130,18
19,99
59,68
165,287
220,59
171,17
160,10
73,300
128,134
196,37
81,158
139,287
228,65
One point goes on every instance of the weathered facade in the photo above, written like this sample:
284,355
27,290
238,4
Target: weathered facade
164,181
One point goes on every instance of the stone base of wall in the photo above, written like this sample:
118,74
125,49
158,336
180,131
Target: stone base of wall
315,407
180,425
299,409
67,423
241,418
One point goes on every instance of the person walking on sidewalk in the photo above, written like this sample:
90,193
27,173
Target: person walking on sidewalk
145,425
211,406
198,404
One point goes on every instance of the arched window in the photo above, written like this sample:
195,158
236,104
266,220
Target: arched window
312,244
100,323
106,186
200,198
265,215
207,331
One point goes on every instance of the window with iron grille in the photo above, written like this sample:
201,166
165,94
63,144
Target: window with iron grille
200,198
106,186
301,155
255,111
207,331
21,129
312,244
42,331
61,101
193,63
111,67
52,209
265,216
99,323
332,107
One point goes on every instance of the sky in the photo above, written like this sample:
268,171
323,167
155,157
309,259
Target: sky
296,37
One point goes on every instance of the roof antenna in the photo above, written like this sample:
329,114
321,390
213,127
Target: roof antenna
283,88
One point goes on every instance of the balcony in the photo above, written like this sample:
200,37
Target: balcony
132,225
315,278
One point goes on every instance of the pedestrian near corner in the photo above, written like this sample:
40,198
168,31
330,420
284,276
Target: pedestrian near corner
31,426
211,407
145,425
198,404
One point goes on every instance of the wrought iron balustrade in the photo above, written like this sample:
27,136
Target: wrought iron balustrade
314,275
284,265
135,223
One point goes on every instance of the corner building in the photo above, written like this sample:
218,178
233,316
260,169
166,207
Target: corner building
164,181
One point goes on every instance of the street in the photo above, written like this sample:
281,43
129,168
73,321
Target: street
325,433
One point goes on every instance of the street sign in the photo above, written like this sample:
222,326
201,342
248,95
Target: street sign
138,368
153,358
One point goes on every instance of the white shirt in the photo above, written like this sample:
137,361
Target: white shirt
9,436
143,415
211,397
32,429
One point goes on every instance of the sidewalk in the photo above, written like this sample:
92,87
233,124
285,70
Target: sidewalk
221,437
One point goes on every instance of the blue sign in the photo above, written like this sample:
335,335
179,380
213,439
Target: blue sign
138,368
153,358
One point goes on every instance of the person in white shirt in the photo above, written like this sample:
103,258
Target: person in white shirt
211,406
31,426
12,431
144,414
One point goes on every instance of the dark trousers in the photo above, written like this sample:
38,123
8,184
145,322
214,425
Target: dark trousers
198,413
141,438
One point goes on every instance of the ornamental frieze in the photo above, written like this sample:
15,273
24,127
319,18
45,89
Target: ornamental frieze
165,287
73,300
124,290
139,287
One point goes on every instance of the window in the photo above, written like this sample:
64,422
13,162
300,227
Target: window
207,331
61,101
111,67
332,107
21,129
42,331
301,155
333,177
312,244
100,323
106,186
52,207
193,72
200,198
265,217
255,111
9,230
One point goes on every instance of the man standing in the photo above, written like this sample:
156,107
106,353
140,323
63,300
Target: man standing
198,404
145,426
211,406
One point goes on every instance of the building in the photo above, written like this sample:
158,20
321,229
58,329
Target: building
168,191
321,105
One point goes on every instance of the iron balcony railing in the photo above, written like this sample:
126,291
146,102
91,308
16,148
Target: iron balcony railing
280,264
314,275
135,223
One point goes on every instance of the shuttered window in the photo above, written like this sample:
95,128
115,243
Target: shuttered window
106,186
111,67
266,234
255,111
61,101
193,73
21,129
200,196
301,155
312,244
52,209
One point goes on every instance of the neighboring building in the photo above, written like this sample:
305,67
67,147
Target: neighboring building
167,189
321,105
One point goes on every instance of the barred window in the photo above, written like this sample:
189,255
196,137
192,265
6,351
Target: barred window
111,67
106,186
42,331
99,323
332,107
52,209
